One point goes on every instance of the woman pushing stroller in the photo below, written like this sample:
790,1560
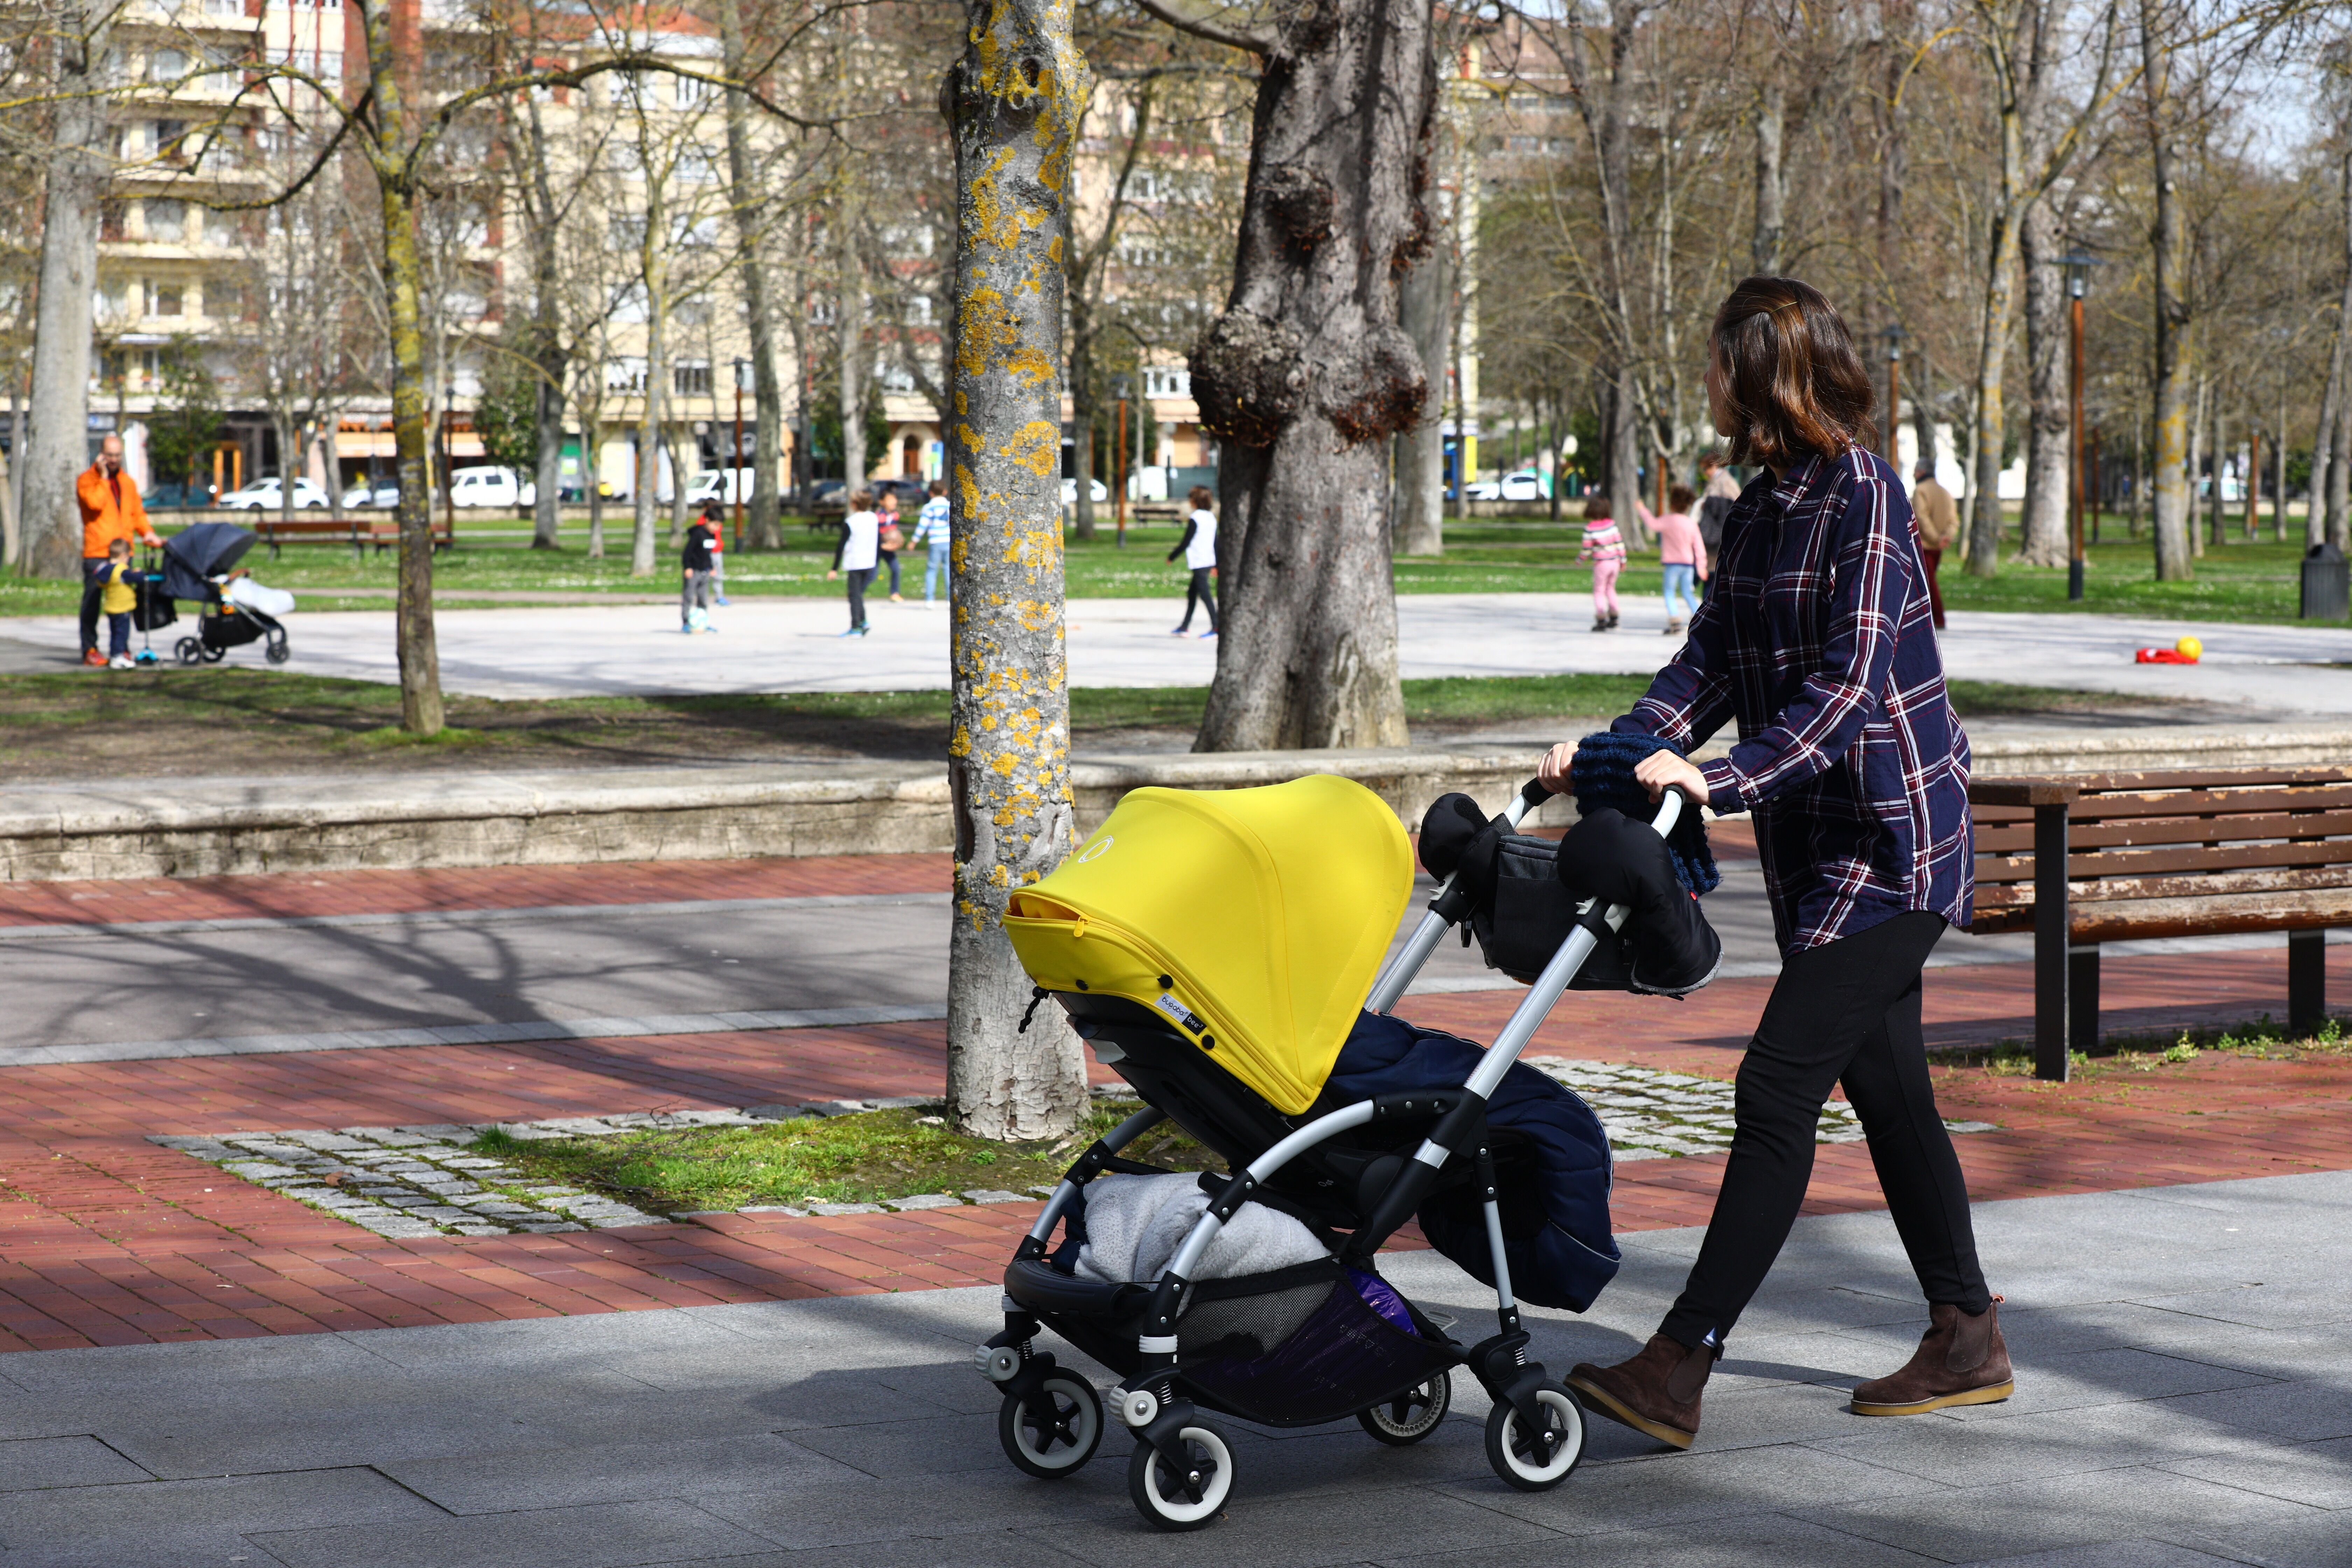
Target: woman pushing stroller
1816,638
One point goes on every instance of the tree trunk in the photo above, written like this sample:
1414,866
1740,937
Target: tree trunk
854,459
1771,181
744,195
2173,526
2217,519
592,466
2197,428
1082,405
679,470
2323,444
420,656
50,521
2046,350
1425,311
1013,102
11,544
1307,375
1989,434
546,515
2339,472
654,269
281,425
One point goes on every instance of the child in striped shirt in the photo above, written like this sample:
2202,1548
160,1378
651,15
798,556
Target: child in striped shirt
1605,547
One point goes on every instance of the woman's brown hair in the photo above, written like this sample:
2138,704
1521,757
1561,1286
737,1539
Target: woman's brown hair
1596,507
1788,374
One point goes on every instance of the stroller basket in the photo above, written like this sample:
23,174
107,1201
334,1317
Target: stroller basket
1297,1347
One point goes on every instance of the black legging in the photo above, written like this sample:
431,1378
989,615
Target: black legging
1847,1010
1201,590
858,577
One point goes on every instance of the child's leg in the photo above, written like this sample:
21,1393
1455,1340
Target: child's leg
935,564
1206,584
118,633
1604,586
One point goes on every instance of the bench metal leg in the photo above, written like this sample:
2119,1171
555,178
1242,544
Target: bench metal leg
2051,959
2306,983
2083,982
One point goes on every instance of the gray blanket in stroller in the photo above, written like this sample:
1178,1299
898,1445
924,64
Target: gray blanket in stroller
1134,1224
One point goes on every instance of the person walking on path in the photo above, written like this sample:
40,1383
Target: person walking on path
1937,517
110,510
856,555
889,538
1680,549
1816,641
931,532
1199,549
1605,547
1717,489
698,562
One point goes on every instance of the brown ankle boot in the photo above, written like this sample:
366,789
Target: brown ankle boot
1960,1360
1657,1393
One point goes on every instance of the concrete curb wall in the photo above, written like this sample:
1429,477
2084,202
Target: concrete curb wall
214,827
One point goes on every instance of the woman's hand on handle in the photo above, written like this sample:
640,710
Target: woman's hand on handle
1552,771
1662,770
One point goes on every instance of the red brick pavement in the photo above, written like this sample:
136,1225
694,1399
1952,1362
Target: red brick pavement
106,1238
299,893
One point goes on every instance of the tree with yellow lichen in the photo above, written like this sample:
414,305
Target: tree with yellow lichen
1013,103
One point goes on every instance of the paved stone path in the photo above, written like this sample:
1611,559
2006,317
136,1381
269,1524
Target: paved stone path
790,645
2182,1364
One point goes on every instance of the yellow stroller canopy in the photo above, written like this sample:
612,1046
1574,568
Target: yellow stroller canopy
1253,919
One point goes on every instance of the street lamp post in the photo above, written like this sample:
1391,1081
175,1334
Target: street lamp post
1893,335
735,461
2078,282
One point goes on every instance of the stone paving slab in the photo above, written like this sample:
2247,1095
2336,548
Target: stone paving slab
854,1431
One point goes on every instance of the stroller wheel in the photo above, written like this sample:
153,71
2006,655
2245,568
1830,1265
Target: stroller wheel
1189,1498
1410,1415
212,654
277,650
1536,1461
188,650
1057,1432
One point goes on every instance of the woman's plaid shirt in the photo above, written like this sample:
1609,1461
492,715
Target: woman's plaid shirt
1817,636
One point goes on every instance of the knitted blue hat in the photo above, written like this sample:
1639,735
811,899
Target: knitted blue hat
1602,775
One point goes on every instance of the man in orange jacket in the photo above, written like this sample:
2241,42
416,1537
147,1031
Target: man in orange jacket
110,510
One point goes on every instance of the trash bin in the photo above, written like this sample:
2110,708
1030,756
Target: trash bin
2326,584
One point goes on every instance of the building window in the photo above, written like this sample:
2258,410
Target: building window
689,92
113,219
695,168
624,372
166,220
166,65
691,378
165,299
171,140
1167,381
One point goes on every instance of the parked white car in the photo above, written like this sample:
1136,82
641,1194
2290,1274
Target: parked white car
1519,484
491,485
1097,489
725,486
360,495
262,496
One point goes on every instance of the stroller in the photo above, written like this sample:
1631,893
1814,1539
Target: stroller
230,617
1217,948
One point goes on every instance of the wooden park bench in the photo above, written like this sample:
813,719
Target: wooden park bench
276,531
384,532
2160,855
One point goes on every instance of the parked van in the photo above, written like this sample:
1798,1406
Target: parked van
491,485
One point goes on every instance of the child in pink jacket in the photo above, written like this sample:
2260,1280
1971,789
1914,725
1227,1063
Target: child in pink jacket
1605,547
1681,549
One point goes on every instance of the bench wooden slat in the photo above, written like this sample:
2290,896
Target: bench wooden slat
2221,803
2020,895
2085,869
2246,828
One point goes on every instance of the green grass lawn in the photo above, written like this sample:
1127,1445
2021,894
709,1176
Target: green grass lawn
2238,581
853,1159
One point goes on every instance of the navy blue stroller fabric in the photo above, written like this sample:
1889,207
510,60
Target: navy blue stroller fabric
1553,1151
1603,776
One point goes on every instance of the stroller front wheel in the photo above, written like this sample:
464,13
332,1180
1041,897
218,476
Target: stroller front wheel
1536,1461
1410,1415
212,654
188,650
1185,1499
1055,1431
275,651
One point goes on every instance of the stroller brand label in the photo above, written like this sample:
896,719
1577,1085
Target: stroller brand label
1181,1014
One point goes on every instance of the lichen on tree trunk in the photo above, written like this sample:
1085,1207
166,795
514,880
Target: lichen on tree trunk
1307,375
1013,102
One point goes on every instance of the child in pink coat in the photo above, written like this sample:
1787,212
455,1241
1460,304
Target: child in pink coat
1605,547
1682,552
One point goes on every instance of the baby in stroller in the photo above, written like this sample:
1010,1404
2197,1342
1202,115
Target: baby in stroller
201,563
1219,949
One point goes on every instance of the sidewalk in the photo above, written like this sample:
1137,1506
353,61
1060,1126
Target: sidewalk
109,1239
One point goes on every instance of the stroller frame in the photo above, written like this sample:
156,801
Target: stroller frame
1051,1420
